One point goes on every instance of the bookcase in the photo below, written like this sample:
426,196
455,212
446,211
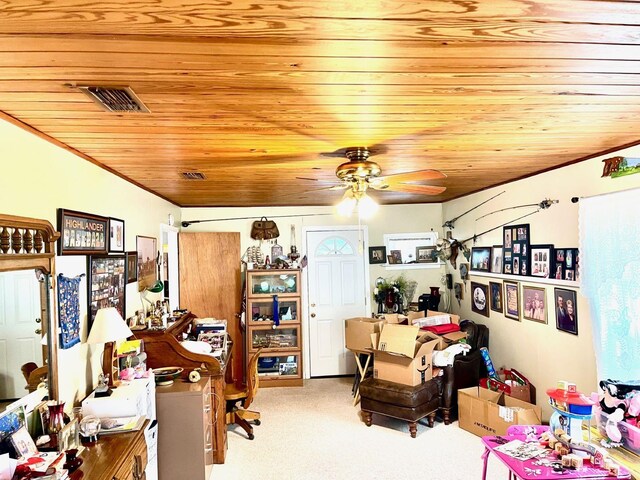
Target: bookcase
272,293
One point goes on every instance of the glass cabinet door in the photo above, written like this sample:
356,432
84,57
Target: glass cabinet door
274,339
279,366
260,311
274,282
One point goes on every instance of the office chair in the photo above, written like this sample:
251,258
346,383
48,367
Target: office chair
34,375
233,395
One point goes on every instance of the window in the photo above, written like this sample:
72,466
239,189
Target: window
334,246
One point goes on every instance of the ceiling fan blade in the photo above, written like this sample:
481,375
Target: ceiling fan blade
418,189
305,192
415,176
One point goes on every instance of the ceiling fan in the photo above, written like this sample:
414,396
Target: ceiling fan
359,174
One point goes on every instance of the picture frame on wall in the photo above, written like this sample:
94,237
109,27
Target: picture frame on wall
464,271
542,261
426,254
534,304
512,300
82,233
377,255
496,259
495,290
566,307
147,248
106,284
481,259
132,267
116,235
516,250
480,298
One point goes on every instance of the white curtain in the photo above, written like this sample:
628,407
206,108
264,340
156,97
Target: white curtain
610,276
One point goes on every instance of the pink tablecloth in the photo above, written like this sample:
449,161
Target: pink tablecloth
529,469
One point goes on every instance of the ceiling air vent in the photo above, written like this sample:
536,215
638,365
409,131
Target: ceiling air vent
193,176
115,99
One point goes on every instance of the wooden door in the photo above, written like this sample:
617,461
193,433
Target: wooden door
210,284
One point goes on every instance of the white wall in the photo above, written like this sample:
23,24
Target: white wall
389,219
37,178
540,352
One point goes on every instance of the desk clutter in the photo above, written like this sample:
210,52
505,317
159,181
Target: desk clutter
38,439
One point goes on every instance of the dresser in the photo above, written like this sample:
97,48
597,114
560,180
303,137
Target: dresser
185,432
121,456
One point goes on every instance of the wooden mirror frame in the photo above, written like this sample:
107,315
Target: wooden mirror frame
25,244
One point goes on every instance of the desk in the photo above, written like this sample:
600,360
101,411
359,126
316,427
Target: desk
163,349
119,456
519,469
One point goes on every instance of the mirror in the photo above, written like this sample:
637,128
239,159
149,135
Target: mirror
23,340
27,254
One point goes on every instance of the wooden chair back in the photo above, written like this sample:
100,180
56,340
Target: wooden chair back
252,379
27,368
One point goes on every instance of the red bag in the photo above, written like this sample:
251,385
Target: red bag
442,329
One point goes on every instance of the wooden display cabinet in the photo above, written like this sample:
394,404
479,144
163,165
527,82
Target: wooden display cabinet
280,363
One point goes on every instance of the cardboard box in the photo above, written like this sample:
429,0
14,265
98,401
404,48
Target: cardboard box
394,318
449,338
402,355
485,412
357,333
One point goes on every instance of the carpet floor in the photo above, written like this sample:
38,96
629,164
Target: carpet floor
315,433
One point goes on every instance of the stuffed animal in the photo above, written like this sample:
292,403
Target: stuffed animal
621,402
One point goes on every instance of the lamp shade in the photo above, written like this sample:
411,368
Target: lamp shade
108,326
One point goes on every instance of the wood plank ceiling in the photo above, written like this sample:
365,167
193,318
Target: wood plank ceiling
251,92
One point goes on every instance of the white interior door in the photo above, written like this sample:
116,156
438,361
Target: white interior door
19,344
170,264
337,291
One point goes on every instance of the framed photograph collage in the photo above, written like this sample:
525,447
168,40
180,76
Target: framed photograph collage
106,285
516,253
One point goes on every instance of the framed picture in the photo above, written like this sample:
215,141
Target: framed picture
397,256
377,255
147,248
542,260
481,259
132,267
106,285
81,233
512,300
23,443
458,289
11,421
496,259
495,289
516,250
566,307
464,271
116,235
480,298
534,304
426,255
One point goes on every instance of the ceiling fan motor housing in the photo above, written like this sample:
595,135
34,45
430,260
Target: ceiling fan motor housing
358,167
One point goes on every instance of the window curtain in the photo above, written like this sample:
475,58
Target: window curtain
610,276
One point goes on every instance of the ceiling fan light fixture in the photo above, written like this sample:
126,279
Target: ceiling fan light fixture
367,206
347,205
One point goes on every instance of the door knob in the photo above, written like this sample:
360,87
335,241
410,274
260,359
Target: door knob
313,304
38,331
313,315
38,320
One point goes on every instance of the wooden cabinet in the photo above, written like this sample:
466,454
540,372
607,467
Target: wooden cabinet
185,434
121,456
280,362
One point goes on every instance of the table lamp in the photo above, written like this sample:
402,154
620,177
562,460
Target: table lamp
107,328
155,288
